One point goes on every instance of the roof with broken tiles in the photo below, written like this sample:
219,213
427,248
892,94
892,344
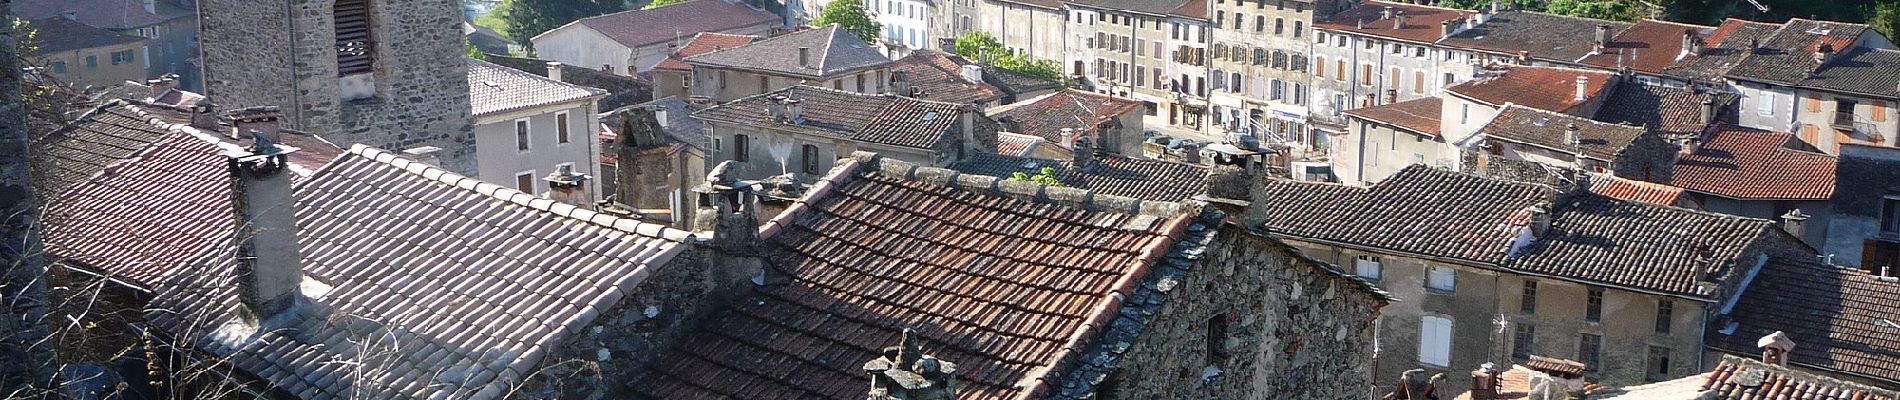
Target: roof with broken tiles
1553,37
1841,320
109,134
1007,279
1543,88
937,76
1551,130
702,43
1591,239
1675,111
874,118
831,50
420,283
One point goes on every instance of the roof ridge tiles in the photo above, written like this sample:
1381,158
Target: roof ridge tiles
524,199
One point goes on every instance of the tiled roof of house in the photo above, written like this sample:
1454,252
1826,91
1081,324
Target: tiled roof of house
1751,164
1736,378
1047,115
174,186
104,14
1011,144
439,286
1421,21
1543,88
1016,83
1864,71
1115,175
938,76
832,51
680,124
1722,49
1195,9
494,89
1841,320
1788,56
1593,239
57,34
1418,115
1005,285
1663,109
1648,46
109,134
875,118
650,26
1599,140
704,42
1634,190
1546,36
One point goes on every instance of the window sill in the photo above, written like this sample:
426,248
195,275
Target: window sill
1441,292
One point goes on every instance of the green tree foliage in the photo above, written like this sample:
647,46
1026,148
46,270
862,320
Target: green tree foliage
663,3
849,15
1618,10
979,45
1884,16
1045,177
497,18
527,18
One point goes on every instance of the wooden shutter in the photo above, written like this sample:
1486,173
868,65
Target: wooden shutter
1814,104
1879,111
354,50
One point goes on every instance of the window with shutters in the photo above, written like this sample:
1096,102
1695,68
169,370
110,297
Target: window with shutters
1339,73
1877,111
1365,74
1297,63
1319,68
355,46
1441,279
1220,51
1393,78
1434,341
1279,59
1418,81
1368,267
1259,56
1299,28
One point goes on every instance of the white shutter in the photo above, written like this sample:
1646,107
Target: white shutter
1434,341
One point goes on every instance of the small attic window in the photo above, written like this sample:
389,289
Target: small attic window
354,47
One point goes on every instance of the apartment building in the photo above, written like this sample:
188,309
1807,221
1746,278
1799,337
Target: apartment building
1153,52
1379,53
1260,59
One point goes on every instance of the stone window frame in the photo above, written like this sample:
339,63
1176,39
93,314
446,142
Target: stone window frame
1378,267
562,132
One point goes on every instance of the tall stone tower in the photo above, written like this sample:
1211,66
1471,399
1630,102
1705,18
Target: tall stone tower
387,73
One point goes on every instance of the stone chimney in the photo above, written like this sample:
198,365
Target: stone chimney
1385,13
804,57
554,71
794,111
1524,57
971,73
1084,151
1775,348
1484,382
1822,54
1707,113
1604,34
1447,28
567,186
162,84
269,267
1398,20
1793,222
1540,219
1691,44
729,209
1583,88
204,116
261,119
903,372
1689,146
900,84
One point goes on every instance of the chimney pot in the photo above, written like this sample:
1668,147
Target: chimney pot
1603,37
1691,43
1540,220
554,71
1775,348
1707,116
1398,20
972,73
1484,382
1447,28
1822,53
261,119
1793,222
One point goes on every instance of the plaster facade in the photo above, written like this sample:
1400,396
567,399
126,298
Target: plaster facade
498,145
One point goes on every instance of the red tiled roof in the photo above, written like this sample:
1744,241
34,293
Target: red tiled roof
1648,46
1011,144
1422,23
1543,88
1841,320
176,186
1418,115
938,77
1742,379
704,42
996,284
1076,109
1634,190
1751,164
655,25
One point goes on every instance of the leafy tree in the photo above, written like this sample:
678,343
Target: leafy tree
975,44
528,18
1046,177
849,15
497,18
980,45
663,3
1884,17
1618,10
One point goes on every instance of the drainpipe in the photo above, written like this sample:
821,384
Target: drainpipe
296,101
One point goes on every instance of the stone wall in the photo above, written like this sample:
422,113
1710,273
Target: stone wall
1649,158
283,53
1293,329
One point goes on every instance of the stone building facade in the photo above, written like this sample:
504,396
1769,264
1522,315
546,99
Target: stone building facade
1260,59
413,91
1155,53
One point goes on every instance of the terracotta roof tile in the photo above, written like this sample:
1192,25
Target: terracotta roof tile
1740,379
1543,88
1841,320
833,51
109,134
1546,36
997,284
173,187
883,119
1648,46
1599,140
1422,23
704,42
1663,109
645,27
1046,116
1751,164
1011,144
1635,190
1115,175
1722,49
938,76
495,89
428,263
1418,115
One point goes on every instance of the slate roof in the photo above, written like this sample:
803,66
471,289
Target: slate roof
59,35
1001,285
874,118
1863,71
104,14
939,76
1663,109
440,286
1841,320
494,89
650,26
1634,190
1115,175
1550,130
1751,164
1788,56
1076,109
1543,88
108,135
1741,379
1421,21
1546,36
1420,115
1648,46
702,43
680,126
1722,49
832,51
1592,239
